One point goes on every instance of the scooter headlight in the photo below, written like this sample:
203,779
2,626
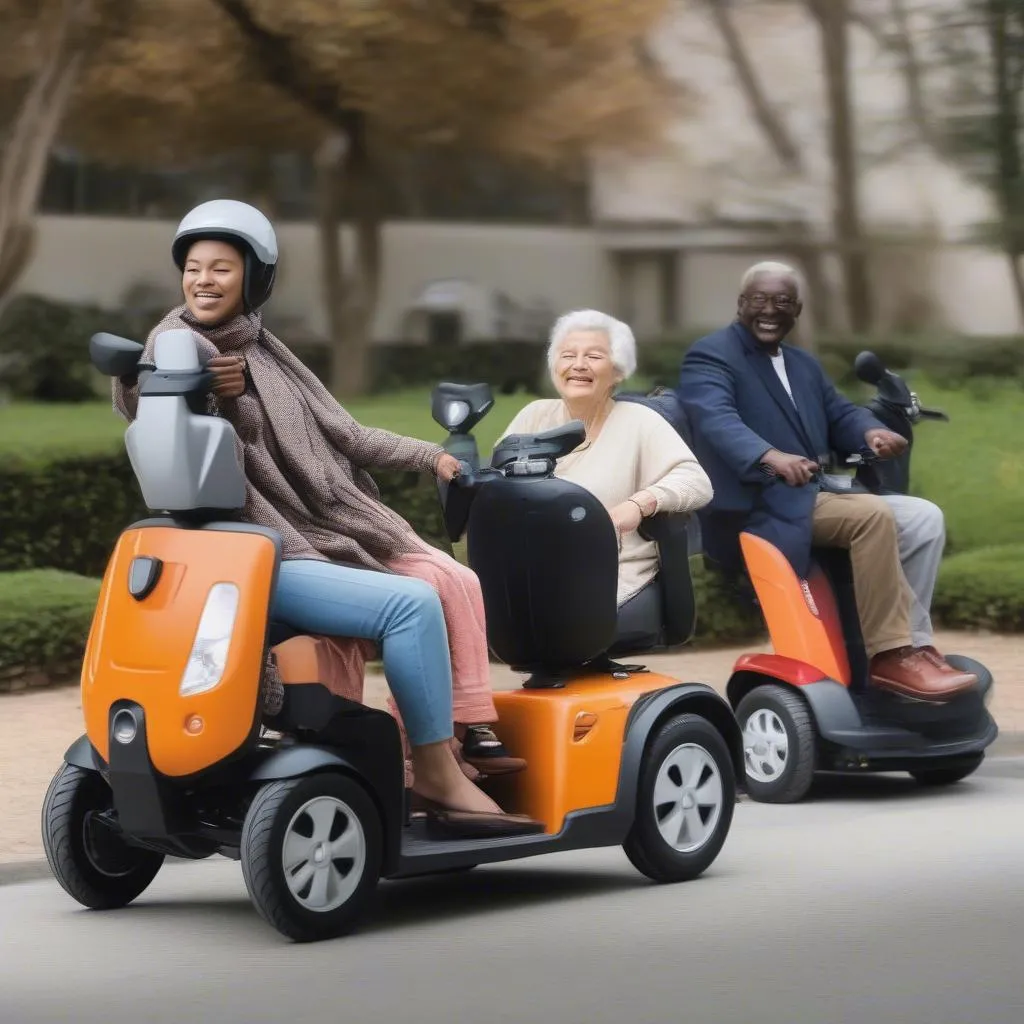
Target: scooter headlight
209,654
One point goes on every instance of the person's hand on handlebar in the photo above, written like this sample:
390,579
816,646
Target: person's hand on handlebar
886,444
795,470
228,375
447,467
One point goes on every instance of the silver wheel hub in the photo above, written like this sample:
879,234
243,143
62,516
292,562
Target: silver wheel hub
765,746
324,854
688,797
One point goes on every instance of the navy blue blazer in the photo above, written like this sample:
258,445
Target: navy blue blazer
737,410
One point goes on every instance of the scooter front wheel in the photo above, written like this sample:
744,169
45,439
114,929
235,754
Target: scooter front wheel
780,744
93,864
311,854
685,801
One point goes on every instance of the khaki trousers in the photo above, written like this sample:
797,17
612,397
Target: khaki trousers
865,525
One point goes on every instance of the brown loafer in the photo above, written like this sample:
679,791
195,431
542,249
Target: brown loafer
915,674
444,823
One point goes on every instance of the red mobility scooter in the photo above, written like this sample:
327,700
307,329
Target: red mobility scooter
808,706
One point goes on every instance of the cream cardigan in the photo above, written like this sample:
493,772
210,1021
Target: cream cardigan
636,450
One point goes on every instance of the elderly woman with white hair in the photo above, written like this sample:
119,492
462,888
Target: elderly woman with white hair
632,460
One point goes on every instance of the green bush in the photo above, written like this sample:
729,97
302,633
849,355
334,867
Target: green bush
67,514
982,589
44,350
509,366
949,359
722,616
44,621
45,614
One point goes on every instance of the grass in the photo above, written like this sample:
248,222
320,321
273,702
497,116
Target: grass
32,432
973,466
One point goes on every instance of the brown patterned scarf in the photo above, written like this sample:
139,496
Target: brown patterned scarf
305,457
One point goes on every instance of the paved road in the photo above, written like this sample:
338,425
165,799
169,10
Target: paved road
876,903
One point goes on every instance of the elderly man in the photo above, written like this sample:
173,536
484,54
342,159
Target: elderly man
763,414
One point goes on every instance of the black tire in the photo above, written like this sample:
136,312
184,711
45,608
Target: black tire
947,774
790,710
264,832
91,861
647,849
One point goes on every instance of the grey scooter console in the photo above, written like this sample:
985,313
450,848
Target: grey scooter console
184,461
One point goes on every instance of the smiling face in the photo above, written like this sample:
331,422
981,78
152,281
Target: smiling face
212,281
769,308
583,369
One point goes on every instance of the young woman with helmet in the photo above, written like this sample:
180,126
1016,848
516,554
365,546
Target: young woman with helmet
351,566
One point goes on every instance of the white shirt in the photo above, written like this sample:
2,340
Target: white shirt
779,362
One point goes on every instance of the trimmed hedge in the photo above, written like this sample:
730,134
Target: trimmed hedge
45,617
44,355
950,360
982,589
67,514
45,614
44,622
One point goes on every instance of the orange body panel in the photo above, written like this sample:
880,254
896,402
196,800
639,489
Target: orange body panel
138,650
563,775
801,629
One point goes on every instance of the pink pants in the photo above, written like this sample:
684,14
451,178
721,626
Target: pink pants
463,605
462,602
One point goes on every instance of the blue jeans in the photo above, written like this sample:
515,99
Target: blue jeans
400,614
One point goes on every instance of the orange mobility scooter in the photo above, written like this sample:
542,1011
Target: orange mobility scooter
808,707
177,759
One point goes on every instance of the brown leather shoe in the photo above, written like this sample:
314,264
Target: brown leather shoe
912,673
932,654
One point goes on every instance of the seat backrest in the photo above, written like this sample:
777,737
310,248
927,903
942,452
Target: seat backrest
679,607
546,554
666,404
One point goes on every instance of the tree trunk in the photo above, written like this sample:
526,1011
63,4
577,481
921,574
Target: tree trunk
917,105
330,163
364,291
26,155
782,143
833,21
350,292
1006,63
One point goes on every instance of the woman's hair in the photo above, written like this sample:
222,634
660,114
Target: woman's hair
620,337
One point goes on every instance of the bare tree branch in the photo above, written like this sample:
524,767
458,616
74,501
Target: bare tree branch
282,64
764,113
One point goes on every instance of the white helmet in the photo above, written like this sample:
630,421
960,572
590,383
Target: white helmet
243,226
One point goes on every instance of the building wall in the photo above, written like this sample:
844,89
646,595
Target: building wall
98,260
716,166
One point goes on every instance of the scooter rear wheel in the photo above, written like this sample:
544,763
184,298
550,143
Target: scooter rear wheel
780,744
93,864
311,855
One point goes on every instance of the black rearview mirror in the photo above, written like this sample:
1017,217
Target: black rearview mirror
460,407
114,356
869,368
